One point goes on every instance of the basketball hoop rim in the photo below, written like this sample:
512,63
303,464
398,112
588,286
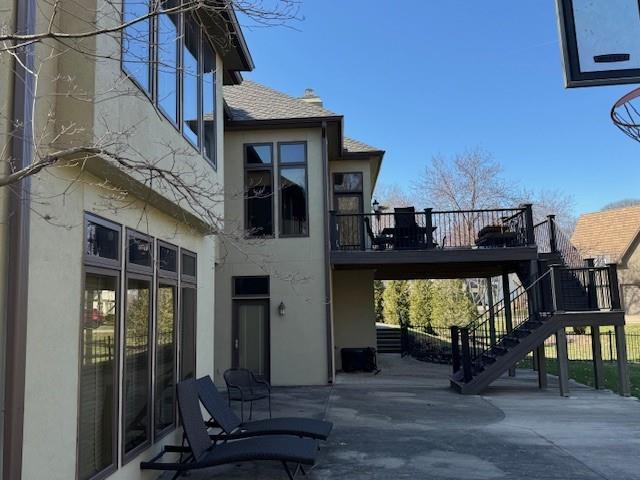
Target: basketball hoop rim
632,95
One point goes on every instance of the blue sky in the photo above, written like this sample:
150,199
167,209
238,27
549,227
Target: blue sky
422,78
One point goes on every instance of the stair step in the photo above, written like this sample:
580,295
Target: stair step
509,341
488,358
521,332
499,350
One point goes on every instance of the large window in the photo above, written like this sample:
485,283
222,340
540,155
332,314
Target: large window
136,43
292,168
259,189
209,100
168,48
129,362
98,399
190,81
183,68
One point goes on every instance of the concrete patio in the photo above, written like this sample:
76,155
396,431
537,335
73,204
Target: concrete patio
406,423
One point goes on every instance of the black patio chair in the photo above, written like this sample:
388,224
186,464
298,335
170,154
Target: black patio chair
232,426
243,386
201,452
380,241
407,232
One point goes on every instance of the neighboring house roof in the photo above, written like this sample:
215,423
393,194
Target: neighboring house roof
251,101
610,233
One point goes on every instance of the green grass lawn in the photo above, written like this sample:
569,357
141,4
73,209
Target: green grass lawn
582,372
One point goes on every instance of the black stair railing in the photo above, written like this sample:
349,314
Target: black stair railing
477,341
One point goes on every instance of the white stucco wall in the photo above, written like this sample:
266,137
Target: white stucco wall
295,267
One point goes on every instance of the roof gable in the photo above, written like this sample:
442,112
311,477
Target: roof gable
609,233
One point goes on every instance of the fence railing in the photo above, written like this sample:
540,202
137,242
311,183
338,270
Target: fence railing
584,289
428,229
550,238
426,343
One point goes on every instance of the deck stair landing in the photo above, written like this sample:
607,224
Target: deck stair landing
389,338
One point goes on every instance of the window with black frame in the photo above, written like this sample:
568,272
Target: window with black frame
258,160
188,311
98,382
165,345
136,408
136,42
167,51
191,81
348,201
209,101
294,207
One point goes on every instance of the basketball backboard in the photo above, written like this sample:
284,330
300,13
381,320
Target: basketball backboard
600,41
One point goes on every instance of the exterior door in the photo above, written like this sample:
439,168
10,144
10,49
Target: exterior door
250,336
350,228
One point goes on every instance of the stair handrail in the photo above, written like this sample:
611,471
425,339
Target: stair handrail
570,254
483,342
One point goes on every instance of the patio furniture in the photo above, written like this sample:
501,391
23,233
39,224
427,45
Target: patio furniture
380,241
496,236
243,386
407,234
233,428
201,452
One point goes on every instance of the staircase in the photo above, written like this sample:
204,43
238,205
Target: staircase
389,339
496,340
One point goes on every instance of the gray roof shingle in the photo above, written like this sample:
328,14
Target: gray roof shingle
253,101
355,146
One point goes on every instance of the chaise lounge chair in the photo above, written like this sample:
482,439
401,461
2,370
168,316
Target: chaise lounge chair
232,427
200,452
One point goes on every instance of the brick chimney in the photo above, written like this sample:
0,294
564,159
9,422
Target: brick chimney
311,97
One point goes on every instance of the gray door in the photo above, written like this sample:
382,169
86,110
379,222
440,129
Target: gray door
250,336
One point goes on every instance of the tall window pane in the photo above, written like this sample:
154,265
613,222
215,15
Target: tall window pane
259,198
98,406
168,61
136,54
190,81
188,333
293,201
137,365
292,159
209,100
165,357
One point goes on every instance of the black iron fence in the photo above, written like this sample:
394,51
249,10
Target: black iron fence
405,229
426,343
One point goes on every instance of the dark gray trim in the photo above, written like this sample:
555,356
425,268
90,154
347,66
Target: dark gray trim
285,166
327,255
18,251
281,123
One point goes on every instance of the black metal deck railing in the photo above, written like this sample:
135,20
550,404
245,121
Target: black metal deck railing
429,229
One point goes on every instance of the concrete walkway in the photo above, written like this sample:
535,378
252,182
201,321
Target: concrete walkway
405,423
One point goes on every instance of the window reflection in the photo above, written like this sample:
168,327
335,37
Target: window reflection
190,81
168,61
293,201
258,154
136,43
101,241
259,202
165,357
136,365
97,375
188,333
209,100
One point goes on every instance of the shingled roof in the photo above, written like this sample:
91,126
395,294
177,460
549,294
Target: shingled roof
253,101
355,146
607,234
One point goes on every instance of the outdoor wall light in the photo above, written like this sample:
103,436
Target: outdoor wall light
375,205
281,309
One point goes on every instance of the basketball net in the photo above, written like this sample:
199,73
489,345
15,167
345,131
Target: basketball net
625,114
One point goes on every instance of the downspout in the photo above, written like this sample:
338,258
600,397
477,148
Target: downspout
18,251
327,253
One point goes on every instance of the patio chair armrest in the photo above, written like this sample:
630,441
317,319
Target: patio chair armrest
264,383
230,387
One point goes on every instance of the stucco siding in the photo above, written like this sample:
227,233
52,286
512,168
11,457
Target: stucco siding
295,267
353,310
54,315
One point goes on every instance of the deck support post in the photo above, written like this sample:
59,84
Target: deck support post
466,355
553,242
598,366
534,363
492,315
614,287
506,294
563,362
623,369
528,223
542,367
